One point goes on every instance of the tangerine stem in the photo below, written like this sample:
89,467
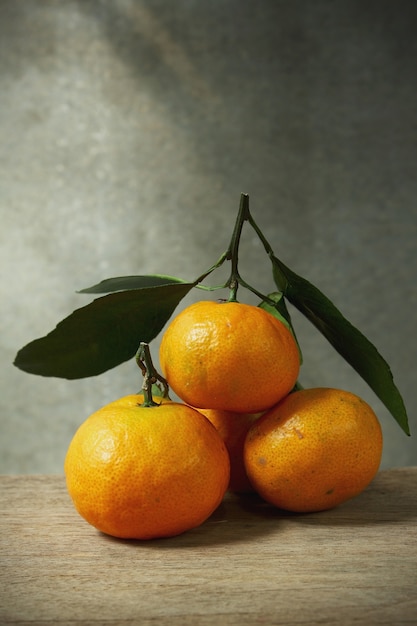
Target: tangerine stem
232,254
280,279
218,263
150,375
233,249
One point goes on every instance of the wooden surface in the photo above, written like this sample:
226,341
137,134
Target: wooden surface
248,564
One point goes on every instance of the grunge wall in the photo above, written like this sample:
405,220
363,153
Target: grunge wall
128,131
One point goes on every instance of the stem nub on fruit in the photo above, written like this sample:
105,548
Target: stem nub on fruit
150,375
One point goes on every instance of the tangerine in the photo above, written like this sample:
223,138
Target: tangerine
233,428
145,472
229,356
316,449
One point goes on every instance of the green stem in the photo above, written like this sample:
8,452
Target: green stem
218,263
233,249
278,274
211,287
232,255
150,375
260,234
260,295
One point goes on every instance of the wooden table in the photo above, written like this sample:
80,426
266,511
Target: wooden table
248,564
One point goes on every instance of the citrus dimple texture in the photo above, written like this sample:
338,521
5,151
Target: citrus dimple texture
316,449
136,472
229,356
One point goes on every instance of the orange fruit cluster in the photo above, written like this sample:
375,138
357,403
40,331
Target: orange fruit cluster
135,471
304,450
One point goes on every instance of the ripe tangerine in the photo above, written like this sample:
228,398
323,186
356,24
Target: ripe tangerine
145,472
229,356
233,428
316,449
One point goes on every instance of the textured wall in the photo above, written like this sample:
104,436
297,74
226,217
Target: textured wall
128,130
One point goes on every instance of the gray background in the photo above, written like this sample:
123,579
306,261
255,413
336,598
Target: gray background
129,128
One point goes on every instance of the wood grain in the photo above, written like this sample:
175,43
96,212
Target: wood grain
248,564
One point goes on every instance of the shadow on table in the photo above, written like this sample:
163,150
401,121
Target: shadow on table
389,499
237,519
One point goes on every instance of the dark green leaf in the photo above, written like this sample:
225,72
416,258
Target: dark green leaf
121,283
349,342
102,334
280,311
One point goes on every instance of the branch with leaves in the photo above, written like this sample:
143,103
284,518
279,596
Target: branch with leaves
108,331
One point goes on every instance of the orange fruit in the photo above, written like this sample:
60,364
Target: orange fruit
316,449
233,428
229,356
145,472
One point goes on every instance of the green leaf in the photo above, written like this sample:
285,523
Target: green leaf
103,334
121,283
349,342
280,311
